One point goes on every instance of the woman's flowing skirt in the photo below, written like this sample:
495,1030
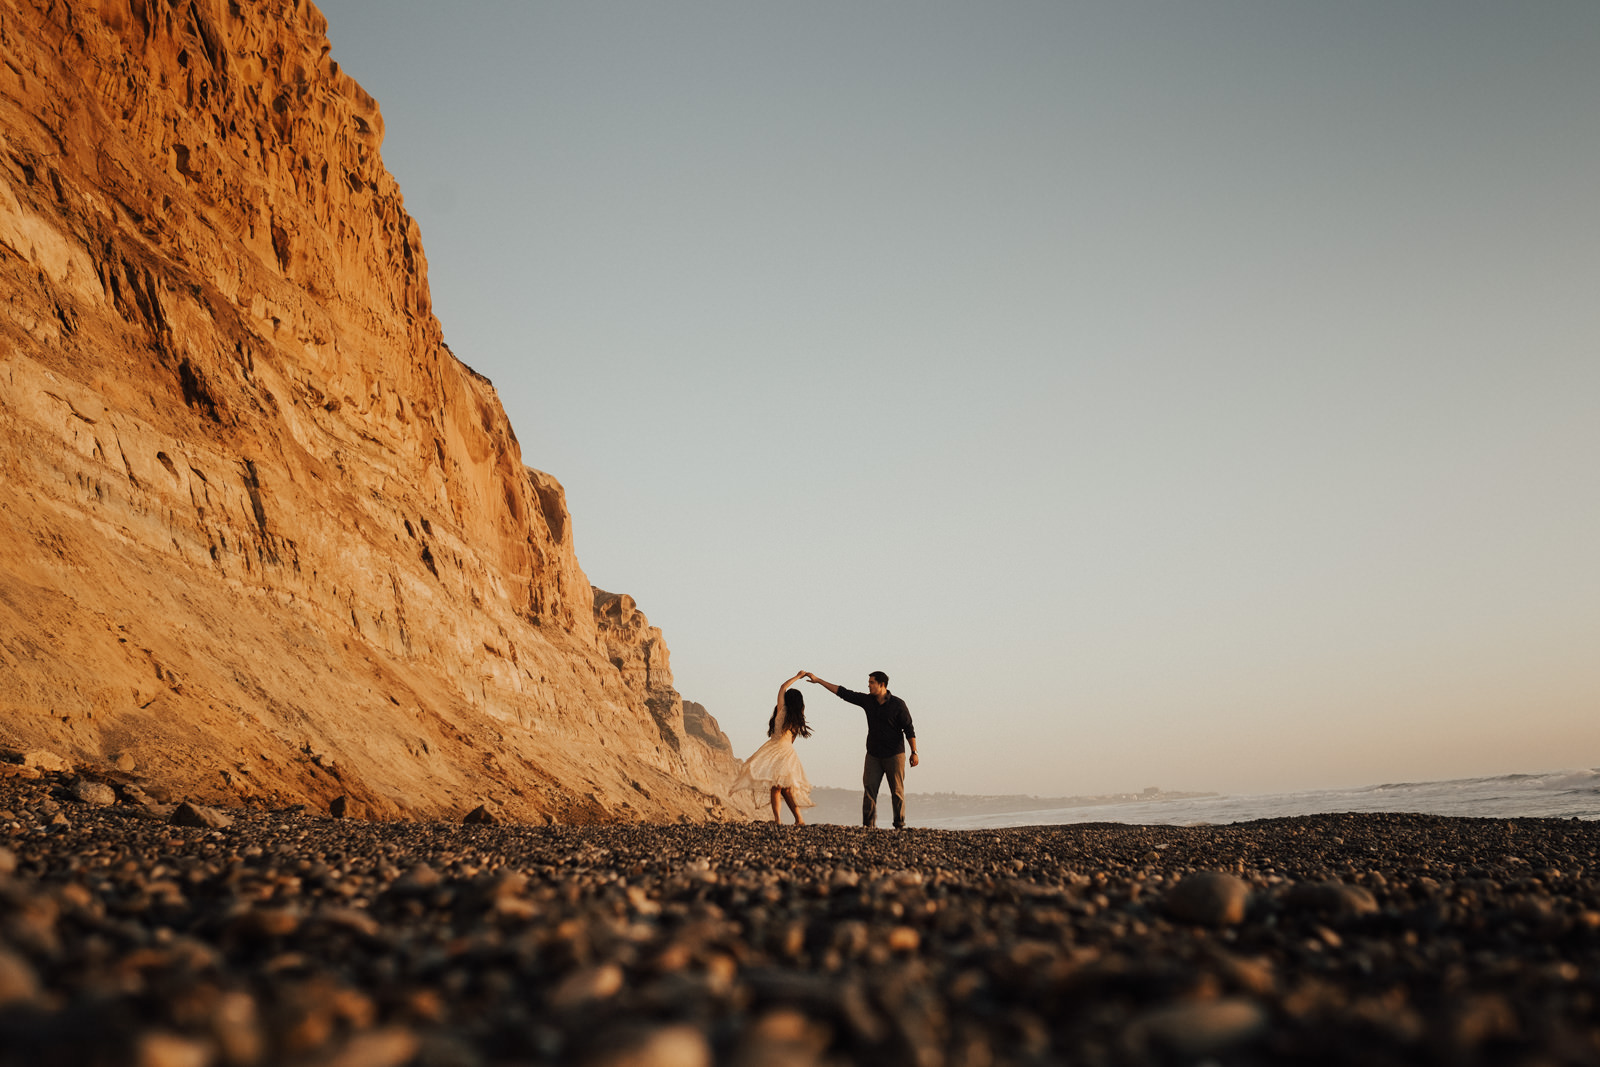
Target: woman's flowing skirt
775,765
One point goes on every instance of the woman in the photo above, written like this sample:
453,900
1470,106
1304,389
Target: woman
775,768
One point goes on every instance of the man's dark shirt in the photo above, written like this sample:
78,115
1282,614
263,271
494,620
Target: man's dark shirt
886,722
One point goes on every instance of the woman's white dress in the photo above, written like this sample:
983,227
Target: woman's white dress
775,765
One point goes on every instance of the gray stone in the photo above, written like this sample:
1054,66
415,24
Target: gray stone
96,793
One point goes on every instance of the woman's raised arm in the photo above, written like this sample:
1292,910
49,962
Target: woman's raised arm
784,688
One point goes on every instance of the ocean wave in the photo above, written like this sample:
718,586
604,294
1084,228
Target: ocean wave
1554,794
1545,780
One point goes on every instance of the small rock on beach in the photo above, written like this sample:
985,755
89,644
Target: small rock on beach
1209,897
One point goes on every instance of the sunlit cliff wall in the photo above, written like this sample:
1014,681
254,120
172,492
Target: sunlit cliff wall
259,529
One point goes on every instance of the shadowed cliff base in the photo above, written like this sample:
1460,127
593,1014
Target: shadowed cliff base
261,533
288,938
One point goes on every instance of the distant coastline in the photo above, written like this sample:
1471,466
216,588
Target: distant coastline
1564,794
843,806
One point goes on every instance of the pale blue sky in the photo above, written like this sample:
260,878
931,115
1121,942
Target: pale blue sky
1194,394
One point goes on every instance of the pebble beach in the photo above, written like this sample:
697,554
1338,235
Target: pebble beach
292,937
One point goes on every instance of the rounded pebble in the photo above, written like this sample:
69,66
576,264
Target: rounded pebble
97,793
666,1046
1210,898
1201,1028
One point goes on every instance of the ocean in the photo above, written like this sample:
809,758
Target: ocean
1559,794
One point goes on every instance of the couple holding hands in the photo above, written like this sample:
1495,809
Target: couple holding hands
774,769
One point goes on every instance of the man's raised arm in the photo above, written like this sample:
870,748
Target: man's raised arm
829,686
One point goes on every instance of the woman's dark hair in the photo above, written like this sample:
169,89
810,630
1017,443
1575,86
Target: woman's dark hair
794,714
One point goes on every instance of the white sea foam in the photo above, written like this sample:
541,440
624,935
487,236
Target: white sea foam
1558,794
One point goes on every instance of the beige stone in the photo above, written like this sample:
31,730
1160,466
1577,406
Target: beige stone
1210,898
677,1045
96,793
588,984
162,1049
199,816
1199,1028
481,815
391,1046
17,980
252,508
237,1029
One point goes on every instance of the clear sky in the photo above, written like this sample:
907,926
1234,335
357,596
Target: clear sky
1195,394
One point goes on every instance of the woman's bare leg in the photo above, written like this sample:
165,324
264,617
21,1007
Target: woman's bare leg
775,792
788,795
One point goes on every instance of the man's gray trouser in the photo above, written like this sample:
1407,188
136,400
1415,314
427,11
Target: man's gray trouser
894,767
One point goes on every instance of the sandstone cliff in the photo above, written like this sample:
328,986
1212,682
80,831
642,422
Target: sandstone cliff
260,531
637,651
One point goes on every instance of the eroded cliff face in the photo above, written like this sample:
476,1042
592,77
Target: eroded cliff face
639,654
260,530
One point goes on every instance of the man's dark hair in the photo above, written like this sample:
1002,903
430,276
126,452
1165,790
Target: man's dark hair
879,677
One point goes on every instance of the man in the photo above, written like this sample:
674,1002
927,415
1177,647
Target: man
888,719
